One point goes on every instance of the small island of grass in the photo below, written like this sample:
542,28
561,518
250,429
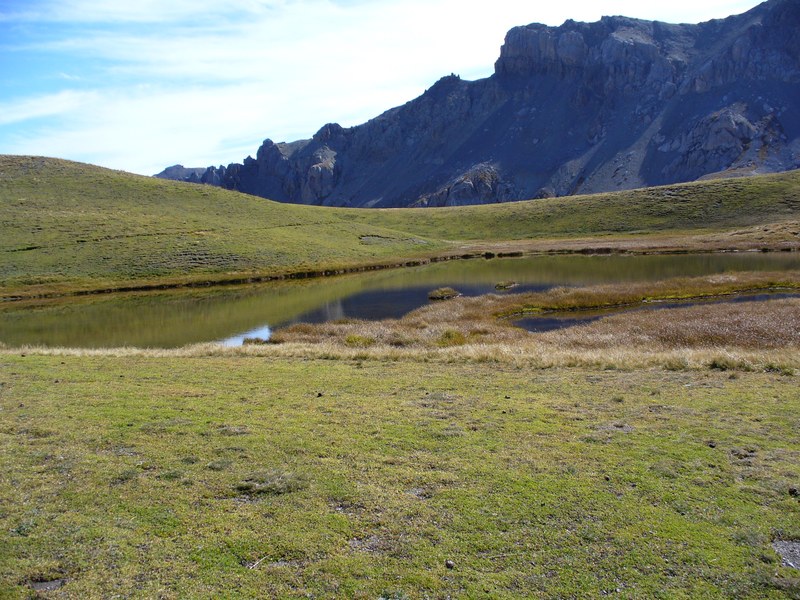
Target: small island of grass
444,293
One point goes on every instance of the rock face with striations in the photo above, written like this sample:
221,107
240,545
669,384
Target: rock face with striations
580,108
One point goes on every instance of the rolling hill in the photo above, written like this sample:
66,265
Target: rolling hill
68,227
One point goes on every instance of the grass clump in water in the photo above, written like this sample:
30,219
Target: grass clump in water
443,293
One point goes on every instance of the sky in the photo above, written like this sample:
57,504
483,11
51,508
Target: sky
139,85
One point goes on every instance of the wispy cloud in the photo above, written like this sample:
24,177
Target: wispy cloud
49,105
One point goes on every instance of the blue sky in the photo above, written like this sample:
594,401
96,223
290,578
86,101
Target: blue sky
139,85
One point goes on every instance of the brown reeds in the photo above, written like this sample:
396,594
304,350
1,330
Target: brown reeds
747,325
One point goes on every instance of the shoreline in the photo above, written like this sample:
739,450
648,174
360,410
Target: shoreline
510,249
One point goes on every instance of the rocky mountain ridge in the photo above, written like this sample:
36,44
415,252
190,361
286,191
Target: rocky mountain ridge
580,108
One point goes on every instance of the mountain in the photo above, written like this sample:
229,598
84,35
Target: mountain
585,107
181,173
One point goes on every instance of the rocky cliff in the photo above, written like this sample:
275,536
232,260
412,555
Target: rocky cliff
580,108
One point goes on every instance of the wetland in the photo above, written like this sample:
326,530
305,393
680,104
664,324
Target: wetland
170,319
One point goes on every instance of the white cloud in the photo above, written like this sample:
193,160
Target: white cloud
147,128
209,11
49,105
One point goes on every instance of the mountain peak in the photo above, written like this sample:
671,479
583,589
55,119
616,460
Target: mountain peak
582,107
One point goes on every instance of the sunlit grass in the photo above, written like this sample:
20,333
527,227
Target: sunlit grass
67,227
444,454
241,474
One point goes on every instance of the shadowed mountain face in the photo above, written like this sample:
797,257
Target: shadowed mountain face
580,108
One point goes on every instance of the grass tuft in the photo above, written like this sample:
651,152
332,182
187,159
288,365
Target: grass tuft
783,369
451,337
273,482
358,341
220,464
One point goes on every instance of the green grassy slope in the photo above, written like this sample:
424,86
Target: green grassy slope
711,205
68,221
68,226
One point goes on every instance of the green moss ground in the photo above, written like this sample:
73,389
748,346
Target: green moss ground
123,475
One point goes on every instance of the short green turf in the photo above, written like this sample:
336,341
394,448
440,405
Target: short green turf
250,477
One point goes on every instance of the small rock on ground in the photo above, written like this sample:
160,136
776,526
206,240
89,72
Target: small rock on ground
790,553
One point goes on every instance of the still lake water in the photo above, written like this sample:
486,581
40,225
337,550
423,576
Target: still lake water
229,314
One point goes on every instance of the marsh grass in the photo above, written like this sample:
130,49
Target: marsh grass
759,325
618,295
532,355
474,323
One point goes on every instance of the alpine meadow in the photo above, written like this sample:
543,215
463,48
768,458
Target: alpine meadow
531,336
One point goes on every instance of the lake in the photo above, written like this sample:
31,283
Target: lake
229,314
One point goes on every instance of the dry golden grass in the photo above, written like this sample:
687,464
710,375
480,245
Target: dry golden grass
776,236
749,325
414,331
536,353
618,295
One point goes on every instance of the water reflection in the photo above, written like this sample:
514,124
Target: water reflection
259,333
171,319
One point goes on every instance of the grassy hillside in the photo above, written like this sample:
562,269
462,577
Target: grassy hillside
92,227
711,205
68,226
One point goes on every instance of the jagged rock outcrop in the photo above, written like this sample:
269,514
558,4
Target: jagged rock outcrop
584,107
482,184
